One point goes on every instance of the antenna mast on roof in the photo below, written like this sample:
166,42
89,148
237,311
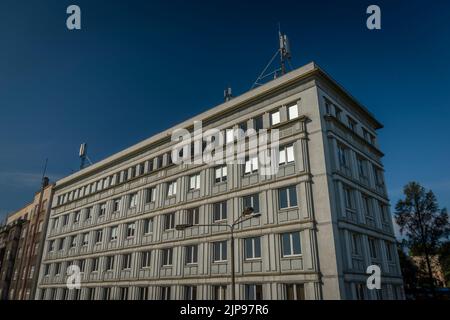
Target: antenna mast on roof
284,52
83,156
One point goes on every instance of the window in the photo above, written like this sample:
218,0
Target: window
258,123
229,135
287,197
148,225
113,234
88,213
73,241
360,291
243,126
95,264
91,293
123,293
352,124
220,251
165,293
252,248
146,259
143,293
106,293
220,211
253,292
378,176
251,165
85,239
290,243
57,268
46,270
367,206
169,221
194,182
102,211
116,205
167,257
82,265
356,244
286,154
171,189
190,293
76,217
295,291
133,200
99,236
349,199
219,292
55,223
251,201
292,112
389,251
221,174
384,212
338,113
342,155
361,167
373,248
62,241
65,221
150,195
193,216
126,261
109,263
191,254
275,118
131,230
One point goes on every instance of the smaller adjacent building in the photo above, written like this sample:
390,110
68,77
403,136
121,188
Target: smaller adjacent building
21,243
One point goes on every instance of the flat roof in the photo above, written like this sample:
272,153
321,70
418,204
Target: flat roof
295,75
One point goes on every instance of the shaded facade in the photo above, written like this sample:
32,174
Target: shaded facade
26,235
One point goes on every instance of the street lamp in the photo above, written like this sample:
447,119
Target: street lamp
247,214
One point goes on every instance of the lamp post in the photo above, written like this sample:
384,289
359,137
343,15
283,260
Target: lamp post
247,214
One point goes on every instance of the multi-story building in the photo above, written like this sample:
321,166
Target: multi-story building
26,236
324,216
9,242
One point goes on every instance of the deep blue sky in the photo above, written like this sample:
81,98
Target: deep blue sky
138,67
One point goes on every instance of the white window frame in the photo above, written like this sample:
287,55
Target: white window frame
292,111
172,189
131,230
275,118
220,245
194,182
220,174
254,244
251,165
167,257
287,154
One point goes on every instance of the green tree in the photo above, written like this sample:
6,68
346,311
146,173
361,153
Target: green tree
422,222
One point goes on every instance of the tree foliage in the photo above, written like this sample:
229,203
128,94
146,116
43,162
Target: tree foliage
424,225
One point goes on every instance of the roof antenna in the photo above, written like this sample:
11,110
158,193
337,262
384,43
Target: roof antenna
83,156
284,52
227,94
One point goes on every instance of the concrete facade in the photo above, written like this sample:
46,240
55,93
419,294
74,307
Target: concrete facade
324,215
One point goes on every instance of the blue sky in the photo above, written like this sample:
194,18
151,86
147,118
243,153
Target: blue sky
139,67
